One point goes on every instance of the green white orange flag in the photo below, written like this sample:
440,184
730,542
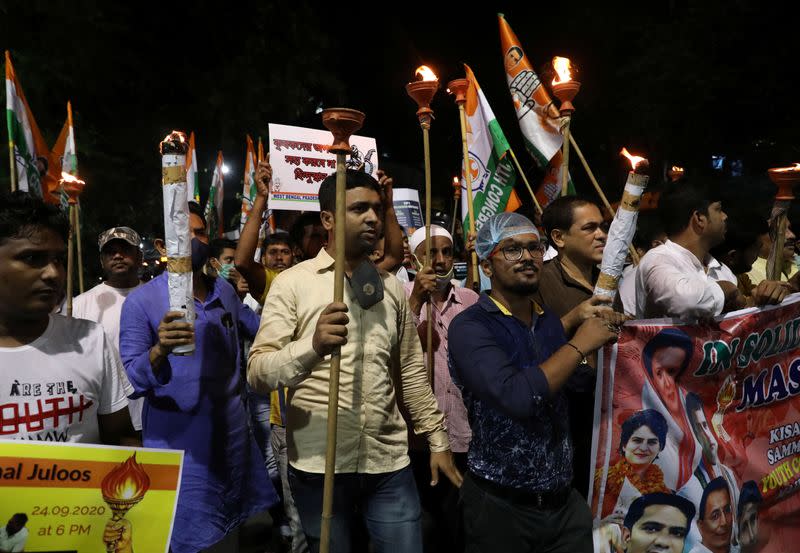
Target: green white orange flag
24,137
492,172
213,211
191,170
63,159
539,120
249,189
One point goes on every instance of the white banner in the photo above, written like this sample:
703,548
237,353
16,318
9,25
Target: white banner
300,162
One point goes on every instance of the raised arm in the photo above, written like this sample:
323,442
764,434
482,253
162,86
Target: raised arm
249,268
392,231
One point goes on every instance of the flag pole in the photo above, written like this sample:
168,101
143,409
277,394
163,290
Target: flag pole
525,180
342,123
12,163
458,88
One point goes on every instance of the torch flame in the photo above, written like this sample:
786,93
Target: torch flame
66,177
128,481
563,68
635,160
677,169
426,73
795,167
175,134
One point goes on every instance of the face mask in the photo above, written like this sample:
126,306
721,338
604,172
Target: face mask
200,251
367,284
442,280
225,270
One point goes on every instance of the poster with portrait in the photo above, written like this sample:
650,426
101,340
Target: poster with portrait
87,498
700,420
300,162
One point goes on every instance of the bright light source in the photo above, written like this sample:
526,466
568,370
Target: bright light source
225,169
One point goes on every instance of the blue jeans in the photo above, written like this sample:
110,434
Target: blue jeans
258,406
388,503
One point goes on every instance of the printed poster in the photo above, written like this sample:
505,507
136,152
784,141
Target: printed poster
300,162
87,498
704,415
407,208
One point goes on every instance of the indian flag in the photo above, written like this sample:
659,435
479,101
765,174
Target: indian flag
249,189
64,159
213,211
191,170
492,172
24,137
539,120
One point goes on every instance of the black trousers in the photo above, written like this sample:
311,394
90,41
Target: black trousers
493,524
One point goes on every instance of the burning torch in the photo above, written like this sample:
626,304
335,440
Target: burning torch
73,187
177,236
458,88
342,123
565,89
422,93
456,198
623,227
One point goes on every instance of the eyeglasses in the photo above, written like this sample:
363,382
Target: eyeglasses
514,253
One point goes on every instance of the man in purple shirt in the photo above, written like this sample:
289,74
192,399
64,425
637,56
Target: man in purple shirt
194,402
434,281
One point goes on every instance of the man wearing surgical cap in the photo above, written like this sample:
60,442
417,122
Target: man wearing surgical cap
511,360
434,283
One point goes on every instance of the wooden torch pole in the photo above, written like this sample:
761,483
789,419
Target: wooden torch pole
342,122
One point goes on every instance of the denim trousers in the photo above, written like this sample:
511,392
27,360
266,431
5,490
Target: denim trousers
258,406
387,502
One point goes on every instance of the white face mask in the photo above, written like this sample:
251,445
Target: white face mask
442,280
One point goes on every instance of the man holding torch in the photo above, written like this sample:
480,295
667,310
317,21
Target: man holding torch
192,402
381,366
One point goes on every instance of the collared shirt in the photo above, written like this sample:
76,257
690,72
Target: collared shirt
448,396
758,272
520,431
560,292
383,352
671,282
194,403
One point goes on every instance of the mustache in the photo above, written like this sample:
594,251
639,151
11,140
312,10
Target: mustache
527,265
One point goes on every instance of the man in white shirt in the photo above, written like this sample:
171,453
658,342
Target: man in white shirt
14,535
681,279
62,378
121,259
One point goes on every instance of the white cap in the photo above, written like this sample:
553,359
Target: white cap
419,236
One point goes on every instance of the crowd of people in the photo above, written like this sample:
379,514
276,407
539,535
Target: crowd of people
487,450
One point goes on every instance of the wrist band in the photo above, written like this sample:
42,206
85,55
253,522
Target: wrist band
583,357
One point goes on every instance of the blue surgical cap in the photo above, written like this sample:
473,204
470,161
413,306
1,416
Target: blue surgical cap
499,227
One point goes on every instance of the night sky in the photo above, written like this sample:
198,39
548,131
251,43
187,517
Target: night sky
674,81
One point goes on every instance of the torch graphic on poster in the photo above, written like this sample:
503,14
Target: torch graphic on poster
122,489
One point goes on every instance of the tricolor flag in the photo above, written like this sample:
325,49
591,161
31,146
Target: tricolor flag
213,211
492,172
249,189
23,135
63,159
539,120
191,170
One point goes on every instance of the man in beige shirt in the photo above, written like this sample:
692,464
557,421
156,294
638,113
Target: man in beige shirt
382,366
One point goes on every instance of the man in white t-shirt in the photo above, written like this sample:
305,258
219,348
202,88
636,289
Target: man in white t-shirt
61,378
121,259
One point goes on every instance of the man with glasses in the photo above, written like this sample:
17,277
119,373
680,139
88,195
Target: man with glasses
511,360
575,227
434,282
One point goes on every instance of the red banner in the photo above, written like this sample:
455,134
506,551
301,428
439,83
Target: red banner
709,413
